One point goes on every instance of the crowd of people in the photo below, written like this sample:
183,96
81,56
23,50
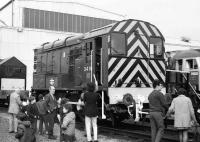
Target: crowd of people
181,107
25,113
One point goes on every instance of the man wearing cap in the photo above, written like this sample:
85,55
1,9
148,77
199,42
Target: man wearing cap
158,107
51,105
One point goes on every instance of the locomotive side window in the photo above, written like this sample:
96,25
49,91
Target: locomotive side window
118,44
156,47
191,64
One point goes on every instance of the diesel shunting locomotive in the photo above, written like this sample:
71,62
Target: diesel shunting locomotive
123,58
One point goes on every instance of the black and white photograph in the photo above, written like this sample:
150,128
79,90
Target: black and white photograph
99,71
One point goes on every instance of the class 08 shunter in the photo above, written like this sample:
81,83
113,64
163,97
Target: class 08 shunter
124,58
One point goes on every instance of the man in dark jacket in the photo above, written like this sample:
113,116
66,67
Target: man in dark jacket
158,107
51,105
42,110
32,112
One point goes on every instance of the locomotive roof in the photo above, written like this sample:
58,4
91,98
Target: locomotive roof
146,28
142,27
187,54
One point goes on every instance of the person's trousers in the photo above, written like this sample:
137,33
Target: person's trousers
13,122
157,126
42,119
88,122
34,125
50,121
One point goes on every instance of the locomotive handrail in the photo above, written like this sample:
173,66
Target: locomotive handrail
177,71
192,87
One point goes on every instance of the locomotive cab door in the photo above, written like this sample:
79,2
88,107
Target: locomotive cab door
98,60
93,60
88,57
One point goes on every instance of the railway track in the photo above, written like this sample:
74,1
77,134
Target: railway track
136,132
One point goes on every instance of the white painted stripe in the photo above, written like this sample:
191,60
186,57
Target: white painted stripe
130,38
144,75
130,26
135,45
135,70
111,61
149,69
125,70
155,30
145,28
146,42
116,69
128,79
142,47
158,70
162,64
120,26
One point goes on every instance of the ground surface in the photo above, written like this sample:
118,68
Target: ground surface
7,137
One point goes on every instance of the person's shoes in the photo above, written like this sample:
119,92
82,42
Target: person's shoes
96,141
52,137
11,131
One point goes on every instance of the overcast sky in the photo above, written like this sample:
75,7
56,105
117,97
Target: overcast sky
174,18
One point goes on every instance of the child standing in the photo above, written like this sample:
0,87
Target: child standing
68,124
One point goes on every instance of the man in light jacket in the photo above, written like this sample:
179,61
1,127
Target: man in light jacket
14,108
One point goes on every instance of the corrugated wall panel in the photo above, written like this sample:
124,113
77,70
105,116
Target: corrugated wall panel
50,20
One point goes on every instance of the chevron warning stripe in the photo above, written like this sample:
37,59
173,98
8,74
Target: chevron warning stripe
137,65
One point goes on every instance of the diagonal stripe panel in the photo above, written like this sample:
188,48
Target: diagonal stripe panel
121,24
145,28
161,65
158,70
125,26
130,68
155,31
140,76
119,70
131,75
110,76
151,75
154,69
111,61
112,66
130,26
125,70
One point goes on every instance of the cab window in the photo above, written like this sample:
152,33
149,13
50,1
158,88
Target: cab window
156,47
191,64
118,44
